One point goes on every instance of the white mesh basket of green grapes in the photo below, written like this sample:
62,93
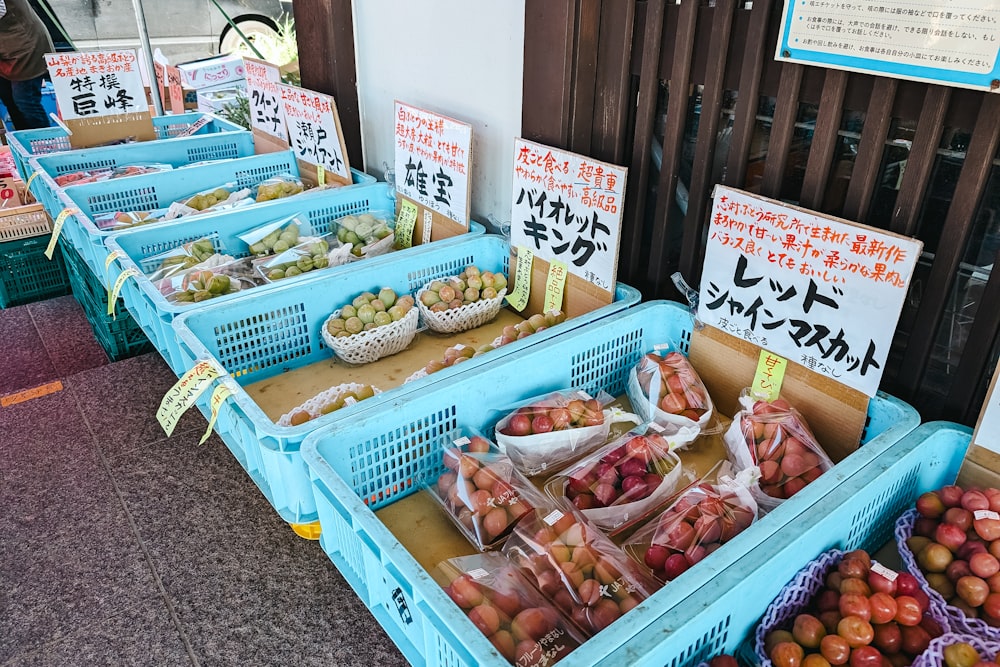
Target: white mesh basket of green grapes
371,327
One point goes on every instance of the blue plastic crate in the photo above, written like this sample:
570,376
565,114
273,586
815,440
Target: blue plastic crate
25,144
270,332
152,310
859,514
375,456
175,152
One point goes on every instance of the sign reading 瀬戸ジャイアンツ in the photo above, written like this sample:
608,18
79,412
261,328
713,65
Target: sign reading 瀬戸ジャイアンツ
819,291
939,41
314,132
90,84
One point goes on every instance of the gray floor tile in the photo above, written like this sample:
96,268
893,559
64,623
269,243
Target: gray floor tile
141,635
25,361
67,335
119,402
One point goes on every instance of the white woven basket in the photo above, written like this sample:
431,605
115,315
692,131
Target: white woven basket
316,403
372,345
469,316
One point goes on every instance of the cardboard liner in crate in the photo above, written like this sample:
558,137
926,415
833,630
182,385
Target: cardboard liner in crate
25,221
314,405
957,620
368,346
934,655
469,316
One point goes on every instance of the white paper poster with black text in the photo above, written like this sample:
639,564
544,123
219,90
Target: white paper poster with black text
89,84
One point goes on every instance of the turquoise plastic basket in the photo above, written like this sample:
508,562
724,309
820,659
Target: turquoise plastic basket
25,144
156,315
367,462
273,331
858,514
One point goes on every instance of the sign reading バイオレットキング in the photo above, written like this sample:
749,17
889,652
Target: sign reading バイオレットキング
568,207
267,113
819,291
314,133
939,41
97,83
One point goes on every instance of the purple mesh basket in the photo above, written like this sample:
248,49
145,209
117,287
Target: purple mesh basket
934,655
956,618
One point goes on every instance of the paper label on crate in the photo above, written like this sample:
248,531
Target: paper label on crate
769,376
884,571
522,279
115,254
405,223
221,393
985,514
428,226
478,573
462,441
661,347
117,288
320,175
552,517
56,229
195,126
31,179
555,284
184,393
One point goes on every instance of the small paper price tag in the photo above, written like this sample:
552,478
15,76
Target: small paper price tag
56,229
320,175
195,126
656,427
428,225
552,517
405,223
985,514
350,400
886,572
462,441
117,288
221,393
555,284
660,347
184,393
478,573
31,179
769,376
522,279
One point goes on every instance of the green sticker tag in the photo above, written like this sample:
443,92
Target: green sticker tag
770,373
405,223
320,175
554,286
522,279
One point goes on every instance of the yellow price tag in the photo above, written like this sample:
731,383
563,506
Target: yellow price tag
769,376
405,223
522,279
183,395
320,175
117,254
221,393
113,292
56,229
31,178
555,284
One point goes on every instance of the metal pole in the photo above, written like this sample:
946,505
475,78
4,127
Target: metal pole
140,21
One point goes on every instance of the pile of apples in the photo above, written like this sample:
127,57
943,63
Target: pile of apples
703,519
627,473
681,391
477,490
956,542
779,442
544,418
864,616
525,633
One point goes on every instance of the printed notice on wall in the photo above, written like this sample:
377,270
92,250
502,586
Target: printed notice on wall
89,84
940,41
819,291
432,160
267,113
568,207
314,131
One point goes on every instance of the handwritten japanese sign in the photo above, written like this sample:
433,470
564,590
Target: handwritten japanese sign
97,83
987,432
432,160
175,89
314,130
939,41
568,207
820,291
267,113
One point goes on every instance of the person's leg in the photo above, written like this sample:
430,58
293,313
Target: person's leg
7,97
28,98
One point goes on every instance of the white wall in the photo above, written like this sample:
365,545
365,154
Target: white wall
459,58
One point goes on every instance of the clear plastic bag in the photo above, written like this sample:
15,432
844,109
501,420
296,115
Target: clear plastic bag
576,567
277,187
622,482
120,220
201,284
107,173
369,234
274,237
548,431
181,259
702,518
524,627
669,391
775,438
311,253
481,491
208,199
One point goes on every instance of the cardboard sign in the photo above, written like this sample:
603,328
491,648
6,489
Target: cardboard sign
314,133
820,291
937,41
161,77
568,207
433,157
267,113
987,433
9,195
97,83
175,89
